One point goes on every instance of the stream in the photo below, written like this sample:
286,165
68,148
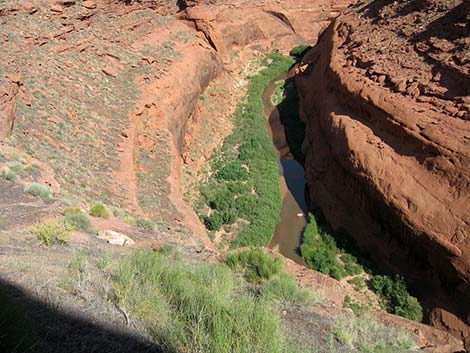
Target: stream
288,233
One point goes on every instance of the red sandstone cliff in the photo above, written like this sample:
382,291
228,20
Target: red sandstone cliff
386,102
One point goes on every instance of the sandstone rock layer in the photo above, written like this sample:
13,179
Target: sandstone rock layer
391,166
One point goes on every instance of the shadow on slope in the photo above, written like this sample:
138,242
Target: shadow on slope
28,324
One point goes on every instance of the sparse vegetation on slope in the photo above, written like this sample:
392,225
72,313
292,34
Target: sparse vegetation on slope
196,307
245,180
365,334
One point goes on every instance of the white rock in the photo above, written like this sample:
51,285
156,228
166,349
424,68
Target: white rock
115,238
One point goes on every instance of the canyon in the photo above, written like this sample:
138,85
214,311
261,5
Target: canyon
124,103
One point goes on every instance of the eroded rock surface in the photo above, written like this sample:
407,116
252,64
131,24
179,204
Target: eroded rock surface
388,144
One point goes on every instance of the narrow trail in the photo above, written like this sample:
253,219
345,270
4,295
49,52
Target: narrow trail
288,234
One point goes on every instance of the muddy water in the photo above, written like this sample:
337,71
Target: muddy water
289,231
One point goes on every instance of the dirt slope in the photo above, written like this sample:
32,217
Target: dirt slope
385,98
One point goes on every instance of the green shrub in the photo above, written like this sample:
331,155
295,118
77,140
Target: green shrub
256,265
196,307
246,205
39,190
215,221
319,250
365,334
99,210
52,231
285,290
223,200
299,51
350,265
16,167
232,171
145,223
79,221
395,297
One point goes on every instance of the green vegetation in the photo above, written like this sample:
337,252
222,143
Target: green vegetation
7,173
39,190
358,283
395,297
319,250
299,51
79,221
365,334
12,170
196,307
256,265
52,231
285,290
145,223
358,309
99,210
245,178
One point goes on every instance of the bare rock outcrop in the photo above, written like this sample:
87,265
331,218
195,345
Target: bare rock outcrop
8,95
387,159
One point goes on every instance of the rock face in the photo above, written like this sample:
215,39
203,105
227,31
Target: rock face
8,94
389,167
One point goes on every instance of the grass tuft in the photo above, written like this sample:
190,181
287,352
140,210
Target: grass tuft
256,265
285,290
196,307
145,223
365,334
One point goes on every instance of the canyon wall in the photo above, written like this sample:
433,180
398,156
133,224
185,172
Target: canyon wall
390,167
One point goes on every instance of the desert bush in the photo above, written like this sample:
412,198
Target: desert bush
256,265
196,307
145,223
78,221
285,290
39,190
396,298
99,210
7,173
52,231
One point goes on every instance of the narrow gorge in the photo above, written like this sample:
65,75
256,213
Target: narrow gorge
229,176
